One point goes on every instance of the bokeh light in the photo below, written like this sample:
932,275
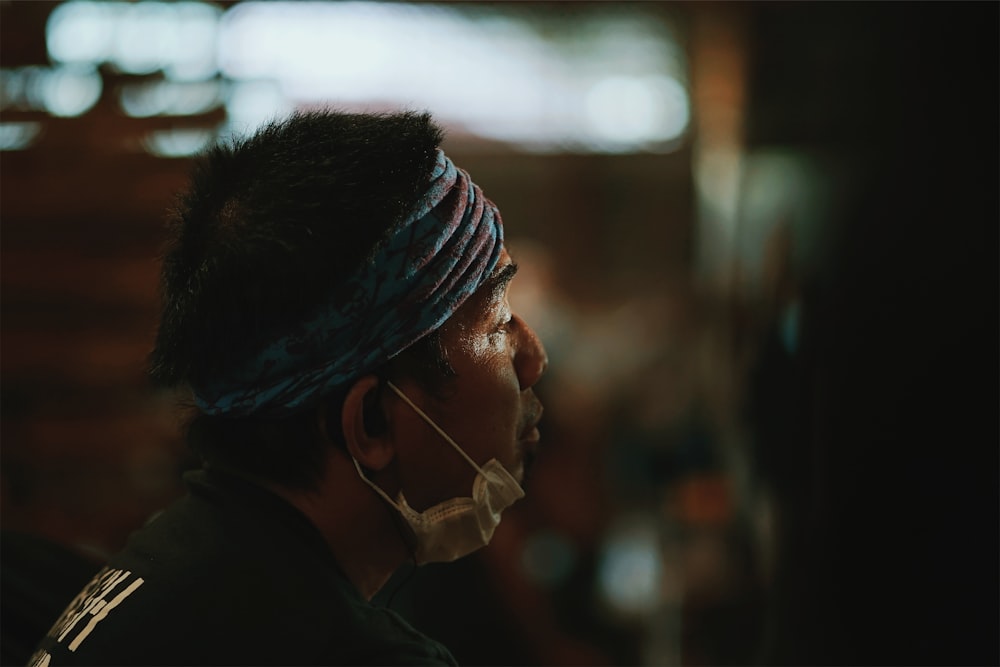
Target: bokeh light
610,80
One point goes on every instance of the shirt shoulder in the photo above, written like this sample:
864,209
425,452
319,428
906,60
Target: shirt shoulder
227,576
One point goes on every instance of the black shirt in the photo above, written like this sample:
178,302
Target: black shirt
229,575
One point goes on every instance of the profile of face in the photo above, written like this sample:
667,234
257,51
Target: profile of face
489,408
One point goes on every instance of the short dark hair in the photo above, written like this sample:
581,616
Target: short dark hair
267,230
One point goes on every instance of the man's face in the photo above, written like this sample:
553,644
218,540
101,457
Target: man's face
488,408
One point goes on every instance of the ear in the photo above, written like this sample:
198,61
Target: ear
364,424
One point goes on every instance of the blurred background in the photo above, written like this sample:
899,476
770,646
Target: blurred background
759,241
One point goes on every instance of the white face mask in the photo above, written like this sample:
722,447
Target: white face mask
459,526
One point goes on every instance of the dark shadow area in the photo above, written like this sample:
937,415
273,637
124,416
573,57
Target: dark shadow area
38,578
879,437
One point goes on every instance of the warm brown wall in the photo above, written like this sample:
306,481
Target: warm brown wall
88,449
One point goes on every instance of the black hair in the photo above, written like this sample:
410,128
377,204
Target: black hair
268,229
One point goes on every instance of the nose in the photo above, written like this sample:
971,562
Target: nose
530,359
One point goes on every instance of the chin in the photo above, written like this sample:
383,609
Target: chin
524,469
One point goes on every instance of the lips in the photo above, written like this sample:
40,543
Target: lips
530,434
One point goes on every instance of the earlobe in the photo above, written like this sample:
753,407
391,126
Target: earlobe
365,431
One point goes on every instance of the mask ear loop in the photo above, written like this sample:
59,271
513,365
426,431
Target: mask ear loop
374,486
395,519
437,428
433,425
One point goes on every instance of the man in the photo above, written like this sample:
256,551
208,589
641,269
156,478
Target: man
335,298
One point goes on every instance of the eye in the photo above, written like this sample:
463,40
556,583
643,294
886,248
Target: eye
505,319
505,324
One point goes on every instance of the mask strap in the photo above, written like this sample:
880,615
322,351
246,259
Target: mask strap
437,428
374,485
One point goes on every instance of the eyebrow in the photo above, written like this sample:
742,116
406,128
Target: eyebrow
496,283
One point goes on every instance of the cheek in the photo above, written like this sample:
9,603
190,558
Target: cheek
484,348
486,358
488,387
489,392
494,375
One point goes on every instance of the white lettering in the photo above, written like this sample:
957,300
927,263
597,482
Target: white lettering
40,659
92,601
105,609
105,585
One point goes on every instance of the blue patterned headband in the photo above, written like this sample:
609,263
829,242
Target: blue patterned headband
443,251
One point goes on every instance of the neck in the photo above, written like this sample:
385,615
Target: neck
359,527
